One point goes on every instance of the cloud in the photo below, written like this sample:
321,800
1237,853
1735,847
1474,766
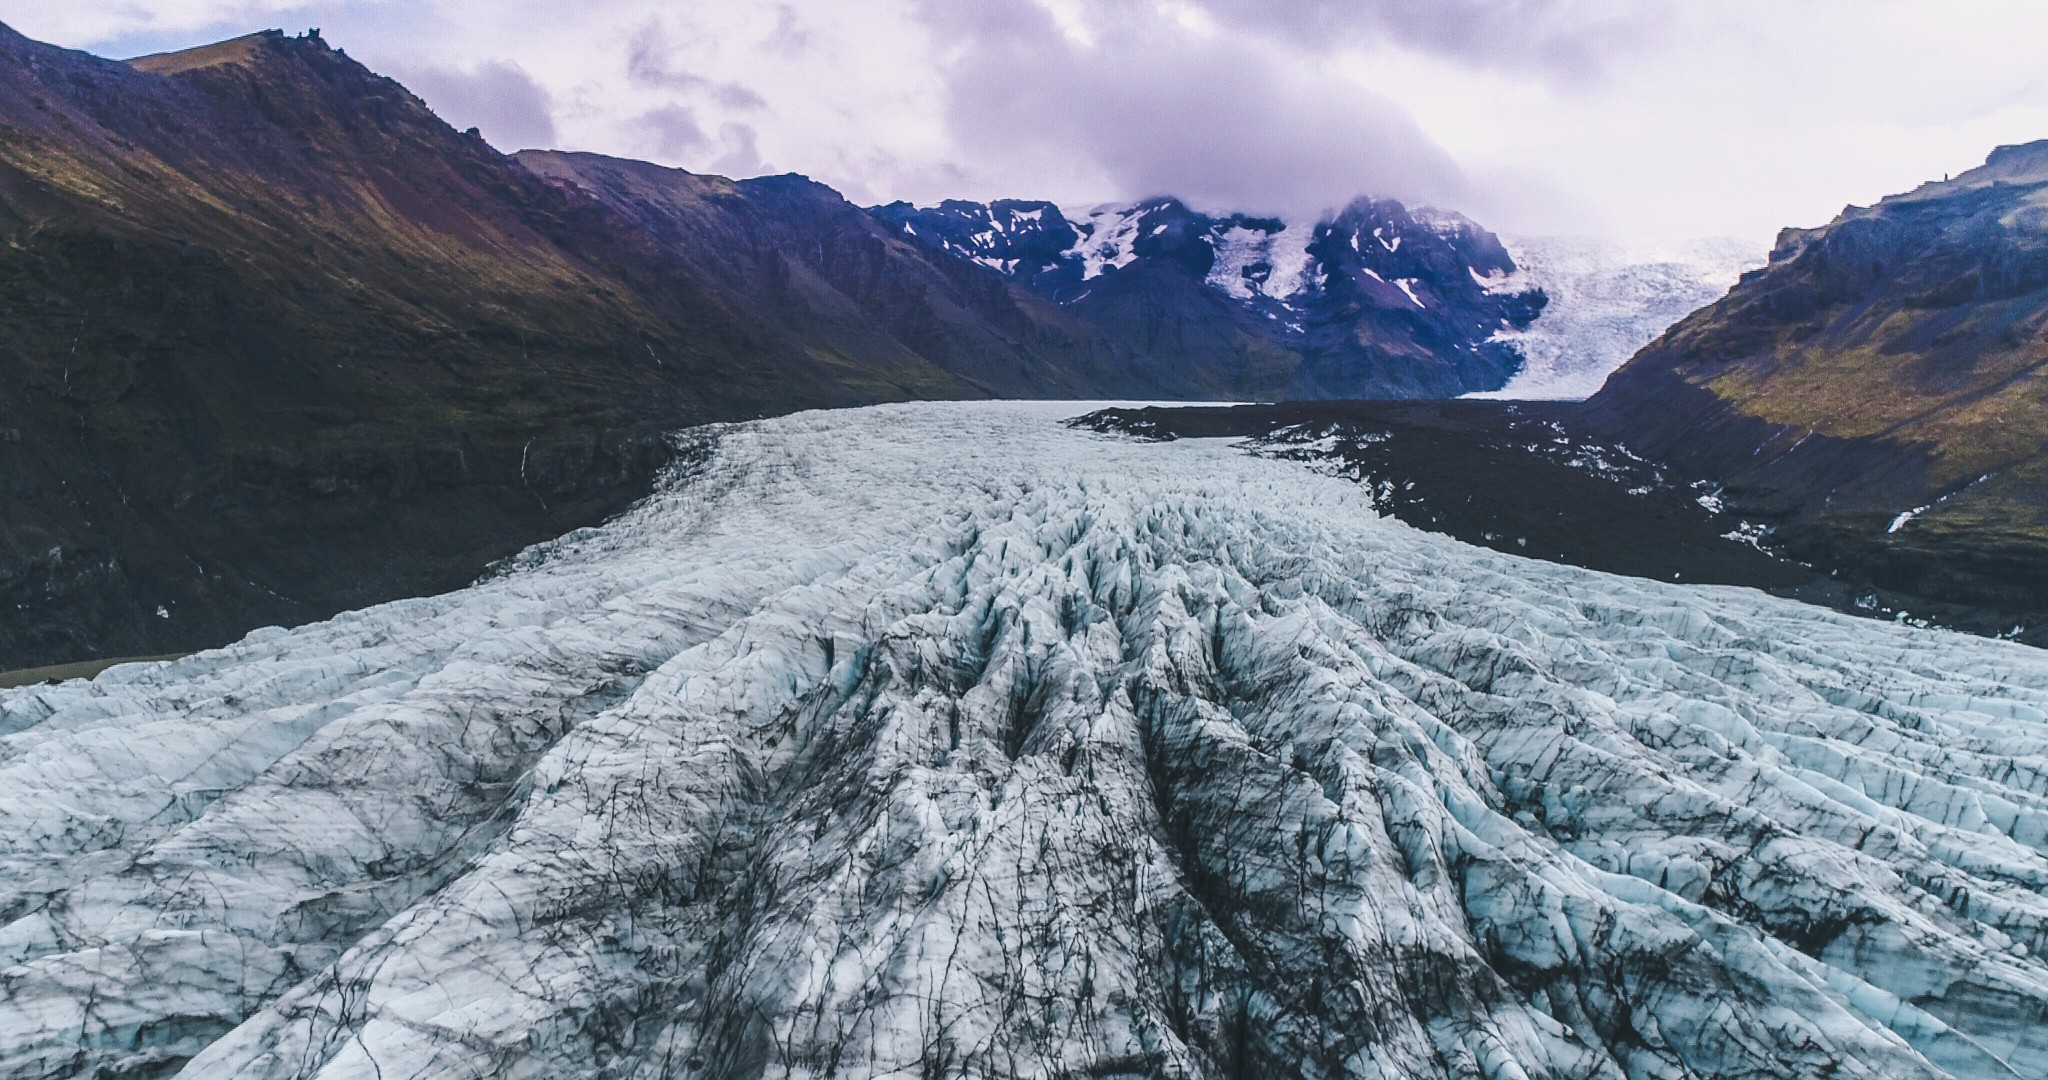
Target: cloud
673,132
654,61
739,151
497,97
1572,39
1637,117
1156,101
790,38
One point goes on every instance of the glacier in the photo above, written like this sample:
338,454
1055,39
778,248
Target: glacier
1608,299
946,740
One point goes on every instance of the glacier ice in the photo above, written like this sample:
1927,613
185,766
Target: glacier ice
945,740
1607,300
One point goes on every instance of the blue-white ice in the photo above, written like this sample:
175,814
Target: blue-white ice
944,740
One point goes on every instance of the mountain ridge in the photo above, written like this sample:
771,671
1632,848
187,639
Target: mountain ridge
265,304
1879,389
1338,294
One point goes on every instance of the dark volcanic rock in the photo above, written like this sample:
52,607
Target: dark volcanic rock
1512,476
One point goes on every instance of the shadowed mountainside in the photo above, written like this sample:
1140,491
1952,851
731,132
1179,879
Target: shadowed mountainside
856,290
277,341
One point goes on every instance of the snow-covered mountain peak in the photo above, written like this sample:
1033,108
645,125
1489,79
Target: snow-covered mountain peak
1374,300
1250,258
1561,312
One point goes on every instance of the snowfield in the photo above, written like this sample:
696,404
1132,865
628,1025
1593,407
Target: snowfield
945,740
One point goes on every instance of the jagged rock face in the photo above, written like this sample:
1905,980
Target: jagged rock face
1374,301
1078,756
1028,240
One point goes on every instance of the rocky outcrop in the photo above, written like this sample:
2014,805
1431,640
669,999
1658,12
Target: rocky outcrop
1081,756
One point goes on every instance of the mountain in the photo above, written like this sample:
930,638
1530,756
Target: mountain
1079,756
279,342
852,288
1877,391
1374,301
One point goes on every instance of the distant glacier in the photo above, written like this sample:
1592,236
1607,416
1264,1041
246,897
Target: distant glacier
946,740
1608,298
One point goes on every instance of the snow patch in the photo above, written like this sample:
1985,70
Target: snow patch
1904,517
1107,238
1285,253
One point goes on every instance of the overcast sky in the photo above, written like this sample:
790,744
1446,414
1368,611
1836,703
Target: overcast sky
1646,118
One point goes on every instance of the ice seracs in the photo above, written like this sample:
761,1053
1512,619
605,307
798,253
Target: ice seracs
1076,756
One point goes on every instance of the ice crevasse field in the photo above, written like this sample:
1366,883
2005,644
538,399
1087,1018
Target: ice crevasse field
945,739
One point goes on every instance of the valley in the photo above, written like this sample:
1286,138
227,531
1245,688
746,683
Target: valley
470,611
279,342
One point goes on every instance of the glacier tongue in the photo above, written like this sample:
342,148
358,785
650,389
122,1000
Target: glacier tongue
1607,300
943,740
